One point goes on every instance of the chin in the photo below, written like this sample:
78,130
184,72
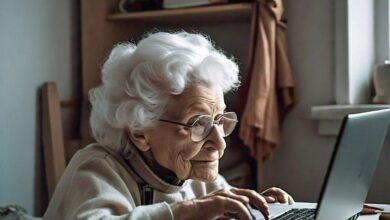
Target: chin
206,176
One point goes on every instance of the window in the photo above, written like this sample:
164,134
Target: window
382,31
361,42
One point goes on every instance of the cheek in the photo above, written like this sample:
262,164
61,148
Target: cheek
166,150
191,149
182,164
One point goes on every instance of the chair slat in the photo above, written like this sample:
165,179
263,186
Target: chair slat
53,140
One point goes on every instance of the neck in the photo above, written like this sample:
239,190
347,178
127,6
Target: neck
162,172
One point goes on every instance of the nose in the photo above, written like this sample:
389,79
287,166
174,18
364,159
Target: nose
216,137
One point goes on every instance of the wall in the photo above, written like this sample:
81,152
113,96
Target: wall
38,41
300,163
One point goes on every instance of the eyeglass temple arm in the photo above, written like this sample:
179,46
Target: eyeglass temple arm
177,123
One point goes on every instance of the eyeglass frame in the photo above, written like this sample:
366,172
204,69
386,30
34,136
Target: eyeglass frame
193,124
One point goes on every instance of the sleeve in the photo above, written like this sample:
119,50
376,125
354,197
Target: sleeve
97,191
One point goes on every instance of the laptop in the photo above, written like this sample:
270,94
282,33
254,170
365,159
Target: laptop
350,172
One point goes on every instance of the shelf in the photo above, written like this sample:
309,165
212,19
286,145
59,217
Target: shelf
216,13
337,112
330,117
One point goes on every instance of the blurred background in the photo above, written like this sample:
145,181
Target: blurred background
42,41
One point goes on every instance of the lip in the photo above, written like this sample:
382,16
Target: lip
205,161
210,159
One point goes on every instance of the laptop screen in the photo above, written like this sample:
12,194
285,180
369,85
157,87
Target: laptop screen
353,164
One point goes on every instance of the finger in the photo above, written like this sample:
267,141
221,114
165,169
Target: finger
227,193
234,207
270,199
290,200
280,194
224,218
282,197
255,198
229,216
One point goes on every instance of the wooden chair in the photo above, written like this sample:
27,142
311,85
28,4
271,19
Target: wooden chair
55,153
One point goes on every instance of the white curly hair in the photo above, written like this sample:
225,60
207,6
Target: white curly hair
138,80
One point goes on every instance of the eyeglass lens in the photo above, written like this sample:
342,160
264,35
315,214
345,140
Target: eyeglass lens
204,124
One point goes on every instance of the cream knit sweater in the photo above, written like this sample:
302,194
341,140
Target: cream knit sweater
100,184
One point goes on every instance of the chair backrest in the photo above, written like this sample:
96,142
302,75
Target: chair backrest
52,132
58,149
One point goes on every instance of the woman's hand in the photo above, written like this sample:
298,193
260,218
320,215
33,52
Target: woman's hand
221,204
277,195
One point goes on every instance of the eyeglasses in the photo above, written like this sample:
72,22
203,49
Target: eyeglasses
203,125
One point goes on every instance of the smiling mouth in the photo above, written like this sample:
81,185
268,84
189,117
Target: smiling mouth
204,161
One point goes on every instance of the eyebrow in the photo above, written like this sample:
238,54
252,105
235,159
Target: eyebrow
202,108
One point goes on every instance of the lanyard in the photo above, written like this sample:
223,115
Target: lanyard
146,192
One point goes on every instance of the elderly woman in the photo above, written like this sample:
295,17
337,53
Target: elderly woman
159,121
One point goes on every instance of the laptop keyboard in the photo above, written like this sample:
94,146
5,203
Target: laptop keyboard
297,214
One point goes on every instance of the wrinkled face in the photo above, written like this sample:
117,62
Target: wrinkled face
171,144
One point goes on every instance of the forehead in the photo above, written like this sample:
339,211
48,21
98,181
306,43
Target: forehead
196,98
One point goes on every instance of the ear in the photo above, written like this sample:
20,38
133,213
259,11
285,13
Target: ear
139,139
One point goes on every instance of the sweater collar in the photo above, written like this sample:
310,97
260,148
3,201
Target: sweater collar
144,172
